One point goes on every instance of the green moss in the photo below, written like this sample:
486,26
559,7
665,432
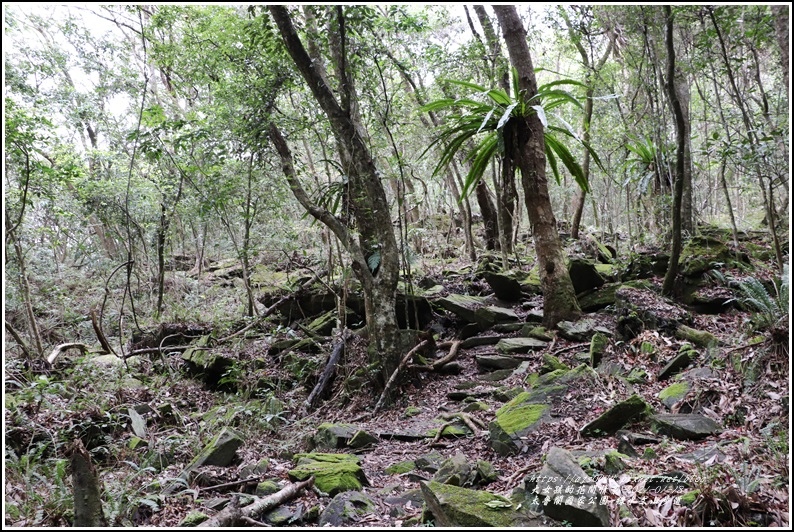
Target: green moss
412,411
517,415
305,458
266,487
674,391
451,430
689,498
598,343
194,518
470,508
401,467
647,348
649,454
331,477
614,462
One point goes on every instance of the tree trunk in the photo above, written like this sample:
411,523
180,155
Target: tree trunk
527,148
590,70
687,212
781,13
668,287
24,285
369,204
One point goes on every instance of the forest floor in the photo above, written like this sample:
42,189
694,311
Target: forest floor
741,474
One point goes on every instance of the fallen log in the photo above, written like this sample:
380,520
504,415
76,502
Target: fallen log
328,372
231,514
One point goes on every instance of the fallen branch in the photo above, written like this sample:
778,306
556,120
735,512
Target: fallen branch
230,484
65,347
328,372
570,348
228,516
393,377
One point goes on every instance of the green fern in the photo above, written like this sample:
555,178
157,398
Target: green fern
770,308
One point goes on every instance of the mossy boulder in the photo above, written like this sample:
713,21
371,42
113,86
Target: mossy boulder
616,417
515,419
551,363
519,345
686,355
584,275
460,471
538,332
699,338
674,393
401,467
580,330
333,473
457,507
333,435
685,426
598,345
703,253
345,509
194,518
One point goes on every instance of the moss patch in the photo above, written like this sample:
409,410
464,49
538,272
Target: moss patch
401,467
516,416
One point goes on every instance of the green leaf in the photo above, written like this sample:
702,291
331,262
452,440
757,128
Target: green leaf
499,96
541,114
506,115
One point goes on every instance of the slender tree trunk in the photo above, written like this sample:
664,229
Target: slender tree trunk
590,70
753,140
527,147
368,197
781,13
670,278
24,285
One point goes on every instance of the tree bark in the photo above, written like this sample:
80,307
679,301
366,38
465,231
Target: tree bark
590,70
781,14
527,147
368,197
87,500
668,287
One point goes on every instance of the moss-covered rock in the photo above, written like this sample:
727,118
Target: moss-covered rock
616,417
194,518
551,363
674,393
401,467
333,473
519,345
699,338
685,426
334,435
598,345
457,507
532,330
515,419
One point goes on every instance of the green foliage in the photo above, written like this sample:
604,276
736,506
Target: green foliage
488,111
770,307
